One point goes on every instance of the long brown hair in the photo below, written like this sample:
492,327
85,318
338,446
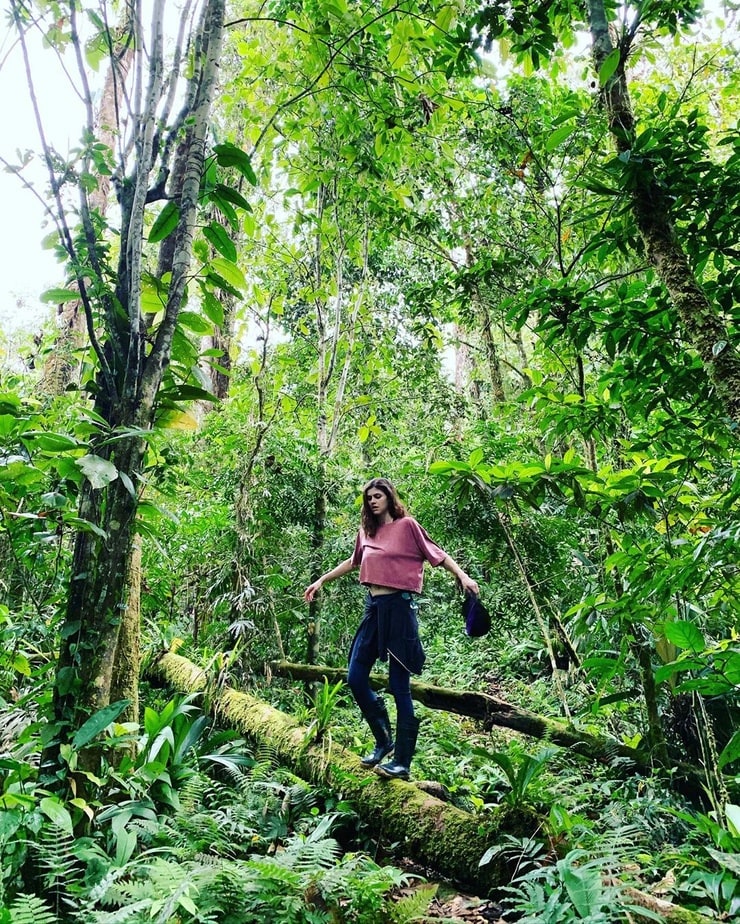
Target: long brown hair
396,508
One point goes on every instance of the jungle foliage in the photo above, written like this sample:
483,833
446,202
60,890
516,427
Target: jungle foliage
488,250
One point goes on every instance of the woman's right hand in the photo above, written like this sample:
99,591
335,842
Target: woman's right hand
312,590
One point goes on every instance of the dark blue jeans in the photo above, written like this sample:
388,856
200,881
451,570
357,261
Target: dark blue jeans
389,630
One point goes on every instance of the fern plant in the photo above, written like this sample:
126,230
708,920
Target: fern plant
573,891
30,909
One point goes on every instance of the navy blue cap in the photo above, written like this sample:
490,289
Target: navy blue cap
476,617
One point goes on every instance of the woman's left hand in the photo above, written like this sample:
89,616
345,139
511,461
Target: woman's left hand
469,585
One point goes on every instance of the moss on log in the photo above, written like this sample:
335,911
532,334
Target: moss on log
488,709
434,833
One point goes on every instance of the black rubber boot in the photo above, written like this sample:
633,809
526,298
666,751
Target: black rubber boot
380,726
406,734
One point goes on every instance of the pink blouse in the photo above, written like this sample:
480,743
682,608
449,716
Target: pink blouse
395,555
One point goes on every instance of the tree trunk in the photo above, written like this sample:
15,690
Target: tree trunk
488,709
317,544
434,833
131,367
127,662
699,319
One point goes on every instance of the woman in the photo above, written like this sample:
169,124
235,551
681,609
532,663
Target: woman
390,552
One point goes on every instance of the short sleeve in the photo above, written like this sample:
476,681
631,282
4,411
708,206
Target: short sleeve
357,554
427,546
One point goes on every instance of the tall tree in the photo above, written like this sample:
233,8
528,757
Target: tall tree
161,117
642,169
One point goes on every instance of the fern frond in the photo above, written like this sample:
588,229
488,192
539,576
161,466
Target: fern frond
193,792
62,873
305,855
30,909
413,907
134,911
266,761
271,872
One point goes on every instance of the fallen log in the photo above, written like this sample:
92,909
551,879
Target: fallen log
434,833
490,710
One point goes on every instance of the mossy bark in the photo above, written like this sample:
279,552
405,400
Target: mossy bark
436,834
125,680
488,709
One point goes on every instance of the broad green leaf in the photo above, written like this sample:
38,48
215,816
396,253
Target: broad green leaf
212,308
127,483
125,846
22,665
608,66
9,402
229,155
732,813
730,861
99,472
218,237
230,272
684,635
676,667
728,664
50,442
188,393
559,136
232,196
165,223
97,722
58,296
195,322
17,472
475,458
226,209
584,887
54,499
730,752
85,526
56,813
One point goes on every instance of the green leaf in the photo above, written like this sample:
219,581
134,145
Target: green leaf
97,722
188,393
195,322
475,458
730,752
50,442
218,238
212,308
229,155
229,194
58,296
166,223
684,635
608,66
22,665
85,526
584,888
559,136
19,473
730,861
732,813
127,483
230,272
99,472
56,813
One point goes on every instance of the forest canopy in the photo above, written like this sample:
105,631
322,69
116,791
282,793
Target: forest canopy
486,250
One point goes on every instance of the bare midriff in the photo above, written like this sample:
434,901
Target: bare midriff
378,591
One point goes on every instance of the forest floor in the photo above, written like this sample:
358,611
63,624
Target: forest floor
449,904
